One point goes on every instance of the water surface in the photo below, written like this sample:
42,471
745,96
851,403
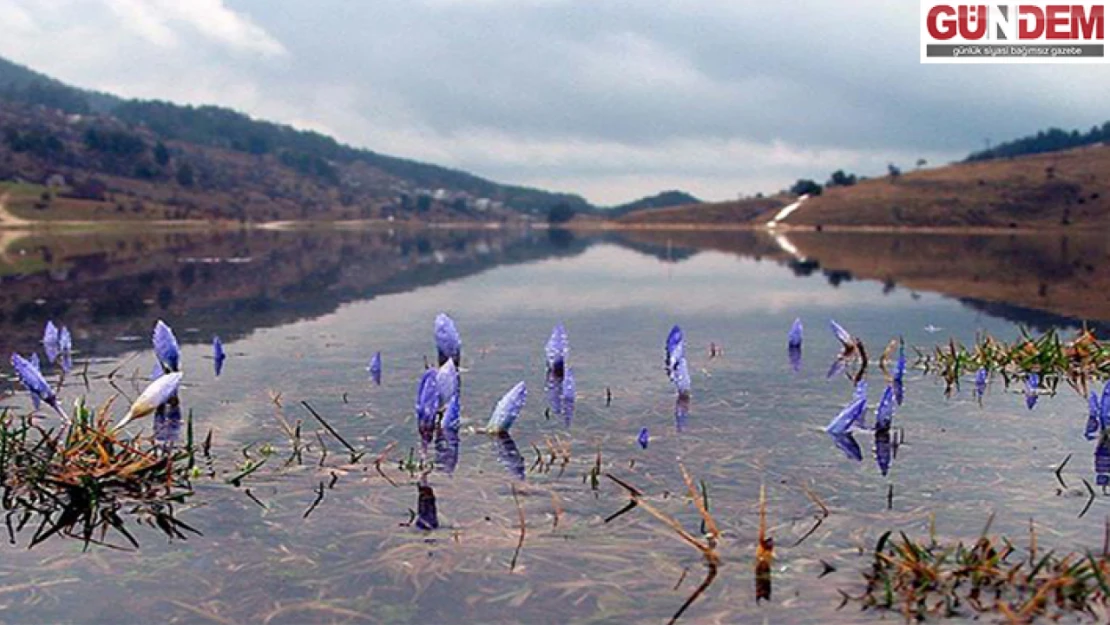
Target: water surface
301,313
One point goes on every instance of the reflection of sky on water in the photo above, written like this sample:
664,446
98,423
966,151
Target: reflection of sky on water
751,420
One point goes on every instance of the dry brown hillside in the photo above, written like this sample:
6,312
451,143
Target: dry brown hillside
1067,189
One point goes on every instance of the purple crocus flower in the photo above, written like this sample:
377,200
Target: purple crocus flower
794,338
166,348
1104,414
884,414
841,334
218,355
900,373
682,378
34,360
65,340
448,343
1032,382
837,367
447,384
980,382
794,346
507,410
675,350
883,450
557,350
427,402
570,396
1094,417
860,394
553,387
167,424
846,443
50,342
681,412
375,368
447,449
1102,462
452,417
794,355
509,455
844,421
32,379
644,438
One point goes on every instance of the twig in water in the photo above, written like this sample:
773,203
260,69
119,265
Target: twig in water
355,454
1059,470
1090,499
818,519
523,528
319,497
255,499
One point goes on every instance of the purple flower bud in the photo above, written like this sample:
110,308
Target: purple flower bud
507,410
1094,417
846,443
32,379
644,438
448,343
884,414
794,338
1032,382
841,334
166,348
557,350
218,355
427,401
375,368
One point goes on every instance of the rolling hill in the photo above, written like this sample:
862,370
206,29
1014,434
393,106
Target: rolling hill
108,156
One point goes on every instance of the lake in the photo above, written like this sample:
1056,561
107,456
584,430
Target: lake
324,539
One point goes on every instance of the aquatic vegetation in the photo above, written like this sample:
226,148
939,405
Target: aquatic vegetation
1079,361
218,355
507,410
79,480
32,380
643,438
156,394
448,343
922,579
166,349
375,368
557,350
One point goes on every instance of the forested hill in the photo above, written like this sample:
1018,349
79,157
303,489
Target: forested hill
1051,140
49,127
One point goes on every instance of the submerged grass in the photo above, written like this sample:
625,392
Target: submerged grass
1079,361
78,481
991,576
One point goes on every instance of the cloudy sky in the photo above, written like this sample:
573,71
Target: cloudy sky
610,99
